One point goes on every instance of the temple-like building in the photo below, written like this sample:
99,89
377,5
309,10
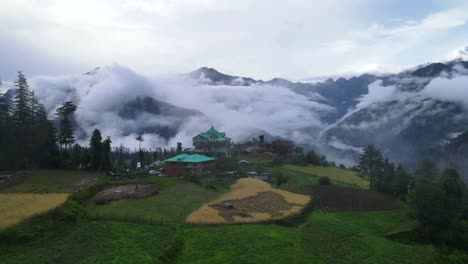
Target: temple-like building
212,142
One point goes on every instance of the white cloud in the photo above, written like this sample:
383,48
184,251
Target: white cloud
262,38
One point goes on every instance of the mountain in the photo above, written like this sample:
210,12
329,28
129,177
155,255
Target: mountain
213,77
150,109
407,115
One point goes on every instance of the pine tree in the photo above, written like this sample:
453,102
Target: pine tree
140,152
95,147
179,147
106,155
22,101
85,158
67,135
371,164
52,157
4,107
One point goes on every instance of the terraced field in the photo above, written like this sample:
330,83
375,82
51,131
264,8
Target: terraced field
337,175
16,207
251,201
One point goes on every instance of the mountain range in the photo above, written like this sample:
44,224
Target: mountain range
409,115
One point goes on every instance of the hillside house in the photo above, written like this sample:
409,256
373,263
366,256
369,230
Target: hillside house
184,164
212,142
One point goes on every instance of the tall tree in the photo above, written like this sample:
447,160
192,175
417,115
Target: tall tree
106,155
179,147
402,180
67,135
140,152
371,164
22,101
427,169
95,147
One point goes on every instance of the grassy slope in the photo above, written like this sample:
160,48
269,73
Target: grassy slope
325,238
53,181
335,174
173,204
96,242
360,238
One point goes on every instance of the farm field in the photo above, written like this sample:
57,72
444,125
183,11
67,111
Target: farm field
336,198
16,207
53,181
252,201
357,237
337,175
95,242
172,204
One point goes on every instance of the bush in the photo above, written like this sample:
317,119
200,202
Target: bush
324,181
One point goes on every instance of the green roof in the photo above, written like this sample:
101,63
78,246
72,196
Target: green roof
191,158
212,135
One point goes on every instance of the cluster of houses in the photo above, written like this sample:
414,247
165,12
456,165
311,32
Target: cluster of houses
211,144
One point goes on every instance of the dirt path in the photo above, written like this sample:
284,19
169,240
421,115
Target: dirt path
119,192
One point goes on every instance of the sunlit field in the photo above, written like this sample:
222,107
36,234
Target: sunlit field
16,207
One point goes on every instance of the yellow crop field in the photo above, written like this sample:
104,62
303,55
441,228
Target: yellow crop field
15,207
335,174
252,201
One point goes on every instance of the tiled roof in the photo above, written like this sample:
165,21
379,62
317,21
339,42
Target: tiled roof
190,158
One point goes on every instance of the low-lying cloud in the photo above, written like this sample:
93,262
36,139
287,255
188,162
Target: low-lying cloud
237,110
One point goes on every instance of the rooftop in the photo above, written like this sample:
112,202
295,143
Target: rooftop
212,135
191,158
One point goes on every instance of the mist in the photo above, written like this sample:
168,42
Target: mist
240,111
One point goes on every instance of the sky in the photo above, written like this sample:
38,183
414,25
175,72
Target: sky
263,39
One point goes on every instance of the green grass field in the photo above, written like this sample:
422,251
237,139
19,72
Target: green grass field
325,238
359,237
172,204
95,242
337,175
54,181
354,237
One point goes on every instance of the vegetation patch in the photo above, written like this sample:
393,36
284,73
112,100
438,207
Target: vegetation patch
54,181
337,175
119,192
171,205
335,198
95,242
16,207
250,201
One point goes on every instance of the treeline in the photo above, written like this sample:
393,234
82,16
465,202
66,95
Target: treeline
28,139
439,200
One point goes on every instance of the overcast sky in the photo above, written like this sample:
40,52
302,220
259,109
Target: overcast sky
294,39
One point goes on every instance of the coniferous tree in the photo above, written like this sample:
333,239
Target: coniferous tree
179,147
106,156
371,164
52,154
140,152
95,147
85,158
402,180
67,135
22,102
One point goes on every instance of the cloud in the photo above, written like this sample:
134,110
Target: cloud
250,38
237,110
451,90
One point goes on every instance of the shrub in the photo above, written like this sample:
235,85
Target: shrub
324,181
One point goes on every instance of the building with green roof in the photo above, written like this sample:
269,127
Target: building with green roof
212,142
186,164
